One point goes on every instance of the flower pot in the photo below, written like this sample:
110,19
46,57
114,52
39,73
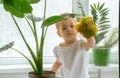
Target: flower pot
47,74
101,56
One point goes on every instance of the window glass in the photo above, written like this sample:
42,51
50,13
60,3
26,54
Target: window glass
9,32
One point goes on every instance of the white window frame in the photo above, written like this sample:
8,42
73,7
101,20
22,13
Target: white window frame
50,59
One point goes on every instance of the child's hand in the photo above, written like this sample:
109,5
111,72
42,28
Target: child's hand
86,27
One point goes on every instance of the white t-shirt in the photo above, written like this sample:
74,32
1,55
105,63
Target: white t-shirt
74,59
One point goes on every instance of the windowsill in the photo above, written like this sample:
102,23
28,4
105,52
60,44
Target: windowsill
27,68
20,68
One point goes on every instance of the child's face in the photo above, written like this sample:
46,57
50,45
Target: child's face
67,29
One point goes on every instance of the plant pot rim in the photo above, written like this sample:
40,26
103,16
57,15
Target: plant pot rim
47,74
45,71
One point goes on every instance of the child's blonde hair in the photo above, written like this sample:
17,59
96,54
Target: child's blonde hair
63,15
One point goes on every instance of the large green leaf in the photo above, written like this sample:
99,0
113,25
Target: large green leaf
30,1
7,46
1,1
17,7
51,20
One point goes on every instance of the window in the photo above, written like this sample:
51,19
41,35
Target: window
9,32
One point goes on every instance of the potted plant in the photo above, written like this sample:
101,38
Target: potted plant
104,40
23,9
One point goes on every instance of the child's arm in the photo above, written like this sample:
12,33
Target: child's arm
90,43
56,66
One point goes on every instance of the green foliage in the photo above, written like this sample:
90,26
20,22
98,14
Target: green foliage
111,38
100,13
18,8
82,12
100,17
30,1
52,20
1,1
81,8
7,46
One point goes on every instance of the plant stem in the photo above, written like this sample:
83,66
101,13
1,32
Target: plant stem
40,53
31,63
29,48
35,33
29,25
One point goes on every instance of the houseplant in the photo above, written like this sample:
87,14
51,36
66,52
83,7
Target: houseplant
104,40
23,9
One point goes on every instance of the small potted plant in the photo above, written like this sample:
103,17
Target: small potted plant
104,40
21,9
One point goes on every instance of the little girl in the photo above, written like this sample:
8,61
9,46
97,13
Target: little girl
71,54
